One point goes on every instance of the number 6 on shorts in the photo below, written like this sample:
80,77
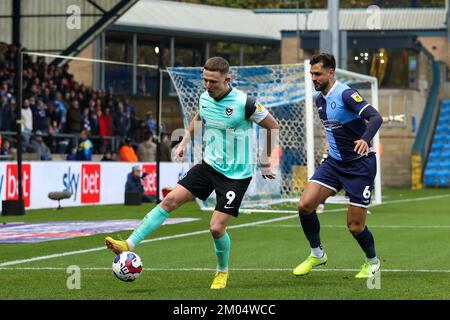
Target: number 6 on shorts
366,193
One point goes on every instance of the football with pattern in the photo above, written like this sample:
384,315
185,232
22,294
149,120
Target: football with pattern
127,266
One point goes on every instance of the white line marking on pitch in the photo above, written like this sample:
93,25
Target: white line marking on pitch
57,255
343,226
344,209
231,269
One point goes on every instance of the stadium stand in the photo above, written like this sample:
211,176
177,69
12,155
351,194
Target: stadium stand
61,108
437,172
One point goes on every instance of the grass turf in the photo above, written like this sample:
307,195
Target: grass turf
412,239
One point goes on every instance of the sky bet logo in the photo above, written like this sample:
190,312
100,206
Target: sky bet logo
71,182
12,186
90,183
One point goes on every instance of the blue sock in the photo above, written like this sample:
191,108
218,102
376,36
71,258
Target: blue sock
311,228
152,221
222,250
366,242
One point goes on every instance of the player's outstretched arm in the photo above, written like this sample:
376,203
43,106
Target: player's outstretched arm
179,152
272,128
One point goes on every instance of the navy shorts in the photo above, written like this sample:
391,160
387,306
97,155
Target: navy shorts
201,180
355,177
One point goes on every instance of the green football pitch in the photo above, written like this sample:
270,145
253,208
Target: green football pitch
411,230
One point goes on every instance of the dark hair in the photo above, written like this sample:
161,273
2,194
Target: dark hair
217,64
327,60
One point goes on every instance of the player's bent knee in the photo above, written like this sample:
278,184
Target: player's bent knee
170,202
216,231
305,208
355,228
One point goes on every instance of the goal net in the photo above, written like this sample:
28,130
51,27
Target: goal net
287,92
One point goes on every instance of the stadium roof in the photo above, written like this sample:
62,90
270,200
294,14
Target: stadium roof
171,18
44,27
198,21
357,19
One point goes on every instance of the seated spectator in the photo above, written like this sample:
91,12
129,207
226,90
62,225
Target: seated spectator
59,105
165,152
3,49
121,122
6,112
127,153
107,156
55,119
27,125
105,127
146,151
105,122
135,184
86,120
94,122
72,155
74,120
7,150
40,117
151,122
129,108
85,147
37,145
142,132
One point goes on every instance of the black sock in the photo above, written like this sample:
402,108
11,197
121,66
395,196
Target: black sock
366,242
311,228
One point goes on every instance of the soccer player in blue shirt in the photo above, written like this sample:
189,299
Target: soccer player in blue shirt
226,114
350,123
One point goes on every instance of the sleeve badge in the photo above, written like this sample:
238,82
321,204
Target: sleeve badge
357,97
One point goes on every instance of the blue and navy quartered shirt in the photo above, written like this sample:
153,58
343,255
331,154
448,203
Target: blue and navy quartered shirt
340,111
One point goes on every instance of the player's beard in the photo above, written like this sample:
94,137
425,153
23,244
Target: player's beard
322,86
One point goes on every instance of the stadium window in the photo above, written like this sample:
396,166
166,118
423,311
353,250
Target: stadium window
188,56
146,53
229,51
254,54
261,54
394,68
118,49
118,78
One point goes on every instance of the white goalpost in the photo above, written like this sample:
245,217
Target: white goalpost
287,92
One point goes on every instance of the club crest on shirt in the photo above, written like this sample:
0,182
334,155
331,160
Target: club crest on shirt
356,97
333,105
229,111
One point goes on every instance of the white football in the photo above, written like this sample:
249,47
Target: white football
127,266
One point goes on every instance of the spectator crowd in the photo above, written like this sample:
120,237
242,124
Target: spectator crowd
56,108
